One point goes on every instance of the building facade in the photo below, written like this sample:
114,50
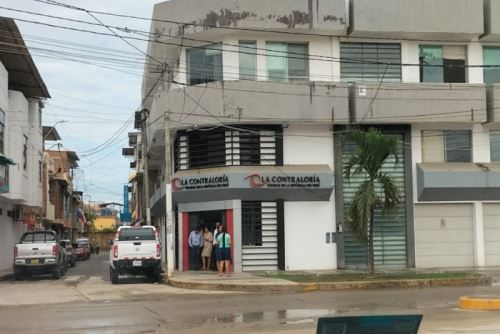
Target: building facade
22,95
253,101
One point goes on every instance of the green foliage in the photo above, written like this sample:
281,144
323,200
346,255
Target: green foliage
372,150
106,230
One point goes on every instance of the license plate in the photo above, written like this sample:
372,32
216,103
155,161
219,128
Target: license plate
136,263
34,261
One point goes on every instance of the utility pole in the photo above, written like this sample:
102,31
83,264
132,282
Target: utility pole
168,198
145,115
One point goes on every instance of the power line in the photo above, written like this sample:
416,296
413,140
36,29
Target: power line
258,30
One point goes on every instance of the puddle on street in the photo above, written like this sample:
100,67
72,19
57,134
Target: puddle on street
290,316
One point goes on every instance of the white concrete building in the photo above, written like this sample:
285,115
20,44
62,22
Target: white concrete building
22,92
258,96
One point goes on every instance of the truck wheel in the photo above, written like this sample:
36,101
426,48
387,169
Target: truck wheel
18,276
156,275
113,276
56,274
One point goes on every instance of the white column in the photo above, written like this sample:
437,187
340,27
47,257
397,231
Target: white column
480,144
319,69
181,241
181,72
336,58
479,251
475,57
416,156
231,60
261,60
410,55
237,237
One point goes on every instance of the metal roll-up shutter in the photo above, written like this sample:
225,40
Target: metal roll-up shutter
389,228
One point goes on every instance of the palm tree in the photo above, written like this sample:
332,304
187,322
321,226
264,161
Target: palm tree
377,191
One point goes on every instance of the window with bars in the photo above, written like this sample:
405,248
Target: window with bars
207,148
258,145
370,62
251,223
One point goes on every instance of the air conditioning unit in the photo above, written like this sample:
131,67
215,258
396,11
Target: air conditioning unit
17,213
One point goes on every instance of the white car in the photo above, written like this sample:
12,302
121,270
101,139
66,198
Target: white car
135,251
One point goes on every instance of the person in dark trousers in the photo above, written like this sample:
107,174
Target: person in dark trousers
97,248
195,242
224,242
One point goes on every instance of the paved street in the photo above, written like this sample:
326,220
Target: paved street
85,302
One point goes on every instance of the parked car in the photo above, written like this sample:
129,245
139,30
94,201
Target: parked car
82,249
39,252
136,251
70,252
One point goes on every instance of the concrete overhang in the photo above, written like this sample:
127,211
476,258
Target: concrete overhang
458,181
50,133
451,20
492,21
15,56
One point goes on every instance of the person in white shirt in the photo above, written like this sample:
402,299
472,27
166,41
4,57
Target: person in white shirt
216,231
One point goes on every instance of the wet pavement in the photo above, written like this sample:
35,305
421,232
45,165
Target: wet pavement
86,302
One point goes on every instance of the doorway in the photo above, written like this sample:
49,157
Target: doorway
201,220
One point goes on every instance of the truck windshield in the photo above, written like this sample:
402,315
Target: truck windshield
38,237
130,234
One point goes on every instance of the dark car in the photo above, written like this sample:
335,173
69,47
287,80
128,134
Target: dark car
70,252
82,249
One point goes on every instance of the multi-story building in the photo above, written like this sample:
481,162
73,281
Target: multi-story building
258,95
61,204
22,95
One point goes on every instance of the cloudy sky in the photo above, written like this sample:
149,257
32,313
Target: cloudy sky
94,82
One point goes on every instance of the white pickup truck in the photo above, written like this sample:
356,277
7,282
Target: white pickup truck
135,251
39,252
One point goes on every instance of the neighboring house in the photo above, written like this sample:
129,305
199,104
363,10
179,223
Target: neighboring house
105,223
22,96
60,196
256,117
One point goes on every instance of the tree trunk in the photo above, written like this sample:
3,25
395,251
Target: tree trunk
371,255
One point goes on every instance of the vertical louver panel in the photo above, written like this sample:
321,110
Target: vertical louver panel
389,228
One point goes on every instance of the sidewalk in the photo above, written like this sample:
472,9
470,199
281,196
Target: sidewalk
250,282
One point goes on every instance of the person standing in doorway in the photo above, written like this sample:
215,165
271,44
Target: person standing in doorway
224,242
215,251
206,254
195,242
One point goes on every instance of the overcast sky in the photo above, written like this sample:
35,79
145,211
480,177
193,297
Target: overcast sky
95,101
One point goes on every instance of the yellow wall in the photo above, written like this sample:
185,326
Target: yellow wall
103,222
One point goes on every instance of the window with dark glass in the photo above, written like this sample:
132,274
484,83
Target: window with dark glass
204,64
495,146
248,60
370,61
447,146
207,148
458,146
287,61
442,63
2,131
249,148
251,223
491,61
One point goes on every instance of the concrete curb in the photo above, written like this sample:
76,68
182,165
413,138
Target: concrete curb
6,277
479,303
333,286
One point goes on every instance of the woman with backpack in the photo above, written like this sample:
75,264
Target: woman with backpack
224,250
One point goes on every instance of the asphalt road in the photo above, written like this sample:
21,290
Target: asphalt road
85,302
